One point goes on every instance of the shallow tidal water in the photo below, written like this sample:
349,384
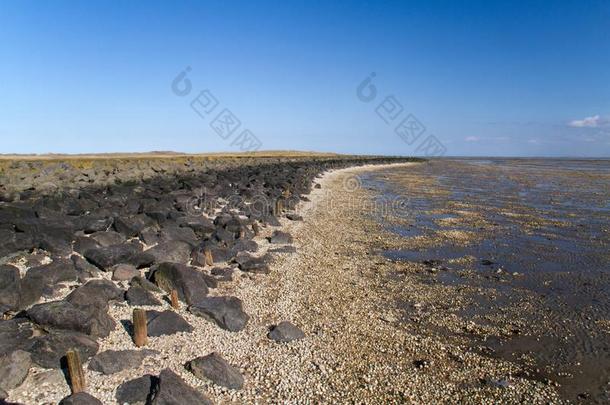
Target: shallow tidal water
534,232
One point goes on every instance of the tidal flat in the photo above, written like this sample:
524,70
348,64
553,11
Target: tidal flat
521,250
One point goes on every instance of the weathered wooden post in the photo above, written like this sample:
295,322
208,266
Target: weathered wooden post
75,372
209,260
174,299
255,228
140,333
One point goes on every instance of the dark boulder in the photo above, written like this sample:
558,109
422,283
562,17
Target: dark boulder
214,367
84,269
172,251
108,238
15,334
81,398
136,391
139,296
10,286
14,368
140,281
166,323
113,361
222,273
130,226
187,281
106,257
253,264
48,350
95,293
226,312
172,390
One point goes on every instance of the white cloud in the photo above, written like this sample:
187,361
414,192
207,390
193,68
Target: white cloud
594,121
533,141
471,139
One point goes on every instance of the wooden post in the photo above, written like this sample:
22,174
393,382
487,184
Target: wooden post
140,333
279,206
255,228
75,372
209,260
174,299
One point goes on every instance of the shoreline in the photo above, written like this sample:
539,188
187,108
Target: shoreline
339,292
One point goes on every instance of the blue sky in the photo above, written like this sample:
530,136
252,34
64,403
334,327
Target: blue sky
485,78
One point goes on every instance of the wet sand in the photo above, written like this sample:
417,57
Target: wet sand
521,249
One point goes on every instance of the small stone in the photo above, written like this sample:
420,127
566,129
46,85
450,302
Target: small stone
280,237
136,391
285,332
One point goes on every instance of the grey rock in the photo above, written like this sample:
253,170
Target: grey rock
124,272
280,237
217,369
48,350
171,251
253,264
84,269
44,280
294,217
136,391
172,390
137,295
113,361
130,226
166,323
285,332
60,315
10,286
81,398
106,257
222,273
187,281
15,334
107,238
226,312
96,293
140,281
14,368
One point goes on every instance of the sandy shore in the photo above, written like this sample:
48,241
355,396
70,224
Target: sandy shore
340,294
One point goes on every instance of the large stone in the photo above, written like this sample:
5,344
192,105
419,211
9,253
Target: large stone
81,398
226,312
124,272
280,237
130,226
217,369
285,332
113,361
108,238
84,269
136,391
172,390
10,286
138,296
14,368
172,251
95,293
187,281
166,323
15,334
60,315
252,264
140,281
106,257
44,280
48,350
